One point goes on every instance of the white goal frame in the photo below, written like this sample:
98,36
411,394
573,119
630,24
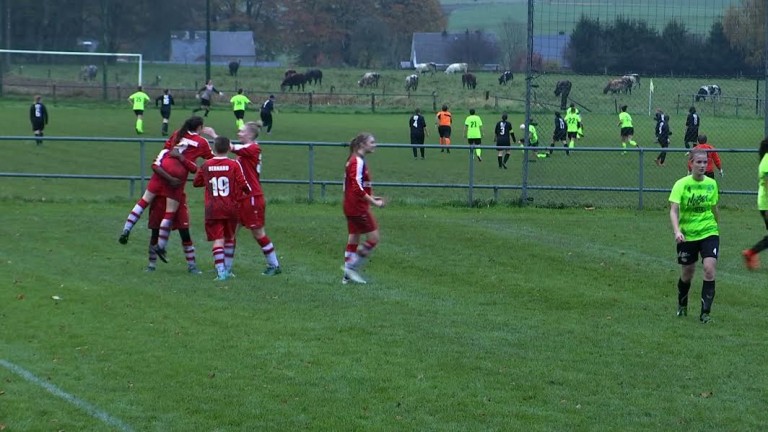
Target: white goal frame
140,57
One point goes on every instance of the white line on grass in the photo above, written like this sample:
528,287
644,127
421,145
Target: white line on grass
83,405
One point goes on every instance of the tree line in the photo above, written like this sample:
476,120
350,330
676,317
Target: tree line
360,33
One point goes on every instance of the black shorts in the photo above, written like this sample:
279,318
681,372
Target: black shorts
664,142
417,138
38,125
559,135
444,131
503,143
165,113
573,135
205,102
239,114
138,112
627,131
688,252
474,141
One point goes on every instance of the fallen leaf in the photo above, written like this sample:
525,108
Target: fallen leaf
708,394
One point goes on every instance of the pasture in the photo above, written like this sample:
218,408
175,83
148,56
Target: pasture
492,317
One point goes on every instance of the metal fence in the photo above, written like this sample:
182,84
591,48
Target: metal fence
588,177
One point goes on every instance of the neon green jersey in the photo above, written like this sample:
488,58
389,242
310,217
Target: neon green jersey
572,121
139,99
696,199
533,135
239,102
625,119
473,124
762,193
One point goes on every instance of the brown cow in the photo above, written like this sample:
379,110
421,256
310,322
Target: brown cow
616,86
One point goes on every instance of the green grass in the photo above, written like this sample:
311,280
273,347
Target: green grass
521,319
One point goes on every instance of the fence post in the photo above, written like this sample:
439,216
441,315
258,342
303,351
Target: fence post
524,190
641,178
118,92
310,102
470,190
142,172
737,106
434,101
53,90
496,102
311,195
373,102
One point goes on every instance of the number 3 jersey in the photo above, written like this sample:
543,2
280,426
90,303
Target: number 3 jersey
225,186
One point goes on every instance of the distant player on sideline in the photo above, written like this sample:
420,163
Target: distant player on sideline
204,94
627,130
503,136
559,135
418,128
138,100
751,259
165,101
239,103
662,136
694,215
358,197
692,124
473,132
266,113
38,116
252,213
225,186
444,122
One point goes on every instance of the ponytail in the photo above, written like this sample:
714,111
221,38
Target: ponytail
191,124
358,141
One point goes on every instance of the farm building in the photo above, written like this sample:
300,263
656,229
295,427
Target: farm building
189,47
446,48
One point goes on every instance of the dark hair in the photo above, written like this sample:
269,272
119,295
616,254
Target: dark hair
166,91
417,111
557,114
471,111
190,124
504,116
358,141
445,107
702,139
763,148
692,110
239,91
221,144
139,87
623,108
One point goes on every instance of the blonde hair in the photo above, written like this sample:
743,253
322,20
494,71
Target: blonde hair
357,141
254,128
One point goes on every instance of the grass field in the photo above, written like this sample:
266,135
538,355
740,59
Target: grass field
492,317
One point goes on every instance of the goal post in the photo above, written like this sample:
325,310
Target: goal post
118,55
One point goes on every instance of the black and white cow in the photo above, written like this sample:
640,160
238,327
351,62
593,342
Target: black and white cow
411,82
369,79
88,73
505,77
469,81
705,91
633,81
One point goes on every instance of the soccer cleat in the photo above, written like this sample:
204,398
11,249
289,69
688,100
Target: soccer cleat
704,318
160,253
344,280
222,276
751,261
149,269
682,311
272,271
124,237
353,275
193,270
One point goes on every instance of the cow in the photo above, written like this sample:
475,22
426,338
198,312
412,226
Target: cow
314,76
411,82
296,79
505,77
616,86
469,81
369,79
423,68
233,67
289,72
88,73
711,90
457,67
563,89
633,81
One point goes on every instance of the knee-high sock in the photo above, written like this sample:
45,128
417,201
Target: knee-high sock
229,253
707,296
164,129
761,245
506,158
349,252
139,125
165,229
135,214
682,292
218,259
268,249
358,260
189,252
152,255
